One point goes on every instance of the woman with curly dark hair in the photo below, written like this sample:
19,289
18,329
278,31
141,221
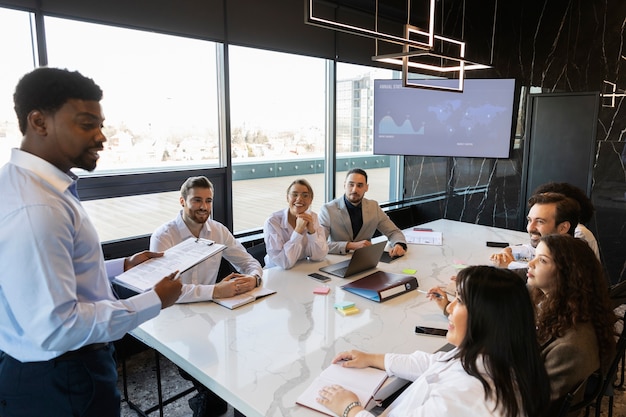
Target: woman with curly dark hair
495,370
575,322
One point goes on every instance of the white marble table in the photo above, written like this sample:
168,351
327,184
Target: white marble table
261,356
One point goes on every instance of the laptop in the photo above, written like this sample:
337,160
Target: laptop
362,259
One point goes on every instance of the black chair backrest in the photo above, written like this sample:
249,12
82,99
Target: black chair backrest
620,349
258,251
617,293
593,388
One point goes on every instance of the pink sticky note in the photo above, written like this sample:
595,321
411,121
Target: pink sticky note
321,290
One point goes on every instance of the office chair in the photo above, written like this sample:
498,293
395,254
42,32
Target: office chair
592,387
588,399
607,386
258,252
617,294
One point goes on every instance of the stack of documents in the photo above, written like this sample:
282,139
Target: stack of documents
417,236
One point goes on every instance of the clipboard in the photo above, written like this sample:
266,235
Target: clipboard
181,257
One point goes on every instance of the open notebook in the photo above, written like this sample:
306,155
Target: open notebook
364,382
245,298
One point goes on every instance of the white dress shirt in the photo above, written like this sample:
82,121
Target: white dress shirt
285,246
199,281
441,387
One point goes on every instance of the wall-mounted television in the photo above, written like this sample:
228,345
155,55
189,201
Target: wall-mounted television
479,122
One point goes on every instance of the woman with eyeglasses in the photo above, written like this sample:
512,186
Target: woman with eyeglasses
294,233
495,369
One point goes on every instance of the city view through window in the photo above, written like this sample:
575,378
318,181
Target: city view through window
162,109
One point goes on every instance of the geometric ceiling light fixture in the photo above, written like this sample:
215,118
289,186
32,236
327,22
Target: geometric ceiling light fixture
328,22
439,63
422,49
611,92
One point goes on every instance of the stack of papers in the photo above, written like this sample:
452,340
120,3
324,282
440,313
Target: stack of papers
419,237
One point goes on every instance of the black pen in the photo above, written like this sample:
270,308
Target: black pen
210,242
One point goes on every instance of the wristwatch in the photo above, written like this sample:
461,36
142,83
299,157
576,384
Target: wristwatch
259,280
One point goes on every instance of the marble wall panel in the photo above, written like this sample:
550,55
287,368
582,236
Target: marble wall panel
558,47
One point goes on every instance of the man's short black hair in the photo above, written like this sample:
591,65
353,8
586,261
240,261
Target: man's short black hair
571,191
357,171
48,89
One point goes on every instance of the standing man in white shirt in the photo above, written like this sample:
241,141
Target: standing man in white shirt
200,282
58,314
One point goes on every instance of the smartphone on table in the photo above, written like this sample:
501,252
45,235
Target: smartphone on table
430,331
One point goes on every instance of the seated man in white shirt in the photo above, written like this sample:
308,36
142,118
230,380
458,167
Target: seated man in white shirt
549,213
200,282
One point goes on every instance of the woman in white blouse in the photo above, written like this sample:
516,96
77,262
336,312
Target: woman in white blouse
495,369
294,233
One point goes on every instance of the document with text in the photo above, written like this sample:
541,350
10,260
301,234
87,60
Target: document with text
181,257
423,237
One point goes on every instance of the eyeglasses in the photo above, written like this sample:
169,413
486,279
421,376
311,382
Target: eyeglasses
304,196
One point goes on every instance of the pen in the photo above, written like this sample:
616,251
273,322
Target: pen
436,294
209,243
422,229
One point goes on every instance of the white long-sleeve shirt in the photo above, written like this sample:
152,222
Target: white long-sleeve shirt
525,252
441,387
199,281
55,293
285,246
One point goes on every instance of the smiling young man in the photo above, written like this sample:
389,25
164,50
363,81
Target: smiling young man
194,220
58,313
351,220
200,283
549,213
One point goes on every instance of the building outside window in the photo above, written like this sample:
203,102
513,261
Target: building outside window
17,58
162,115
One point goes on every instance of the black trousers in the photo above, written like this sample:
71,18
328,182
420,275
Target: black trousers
84,384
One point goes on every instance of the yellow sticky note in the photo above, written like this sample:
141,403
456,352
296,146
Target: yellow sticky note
348,311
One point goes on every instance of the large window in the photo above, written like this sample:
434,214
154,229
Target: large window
160,93
160,103
162,116
277,130
18,56
355,131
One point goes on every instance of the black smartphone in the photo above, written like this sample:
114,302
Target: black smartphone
430,331
497,244
319,277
